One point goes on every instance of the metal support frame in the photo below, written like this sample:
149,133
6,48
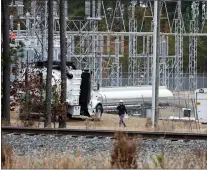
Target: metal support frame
204,17
115,65
118,19
193,47
179,26
193,57
162,61
133,59
145,65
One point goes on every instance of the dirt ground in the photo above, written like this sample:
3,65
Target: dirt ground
111,122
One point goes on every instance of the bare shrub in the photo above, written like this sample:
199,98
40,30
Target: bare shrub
28,123
4,123
148,123
93,123
28,93
166,125
124,154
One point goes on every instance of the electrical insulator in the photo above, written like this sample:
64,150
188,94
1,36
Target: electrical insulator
18,29
11,22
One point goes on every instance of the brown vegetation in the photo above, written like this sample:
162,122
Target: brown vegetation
124,155
196,159
6,156
148,123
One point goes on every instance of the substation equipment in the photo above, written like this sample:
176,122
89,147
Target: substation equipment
104,53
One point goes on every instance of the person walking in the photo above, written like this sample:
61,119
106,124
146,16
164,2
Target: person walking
121,110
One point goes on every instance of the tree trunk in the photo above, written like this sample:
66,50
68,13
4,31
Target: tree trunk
63,57
6,63
49,66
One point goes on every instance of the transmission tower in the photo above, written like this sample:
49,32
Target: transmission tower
118,19
163,9
204,16
145,59
115,66
133,60
179,29
193,47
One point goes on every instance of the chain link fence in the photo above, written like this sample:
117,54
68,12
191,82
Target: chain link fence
169,82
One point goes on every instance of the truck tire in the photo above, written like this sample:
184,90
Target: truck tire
69,116
99,111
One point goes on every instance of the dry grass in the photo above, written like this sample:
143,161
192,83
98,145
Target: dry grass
52,161
194,160
111,122
4,123
148,123
93,124
6,156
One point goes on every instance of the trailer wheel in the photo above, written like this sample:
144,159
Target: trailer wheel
99,111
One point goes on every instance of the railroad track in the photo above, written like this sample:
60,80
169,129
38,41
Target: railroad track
104,133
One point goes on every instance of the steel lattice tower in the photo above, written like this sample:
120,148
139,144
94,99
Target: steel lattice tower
204,16
179,27
145,59
193,47
133,58
118,17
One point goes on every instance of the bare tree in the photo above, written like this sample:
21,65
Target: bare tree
63,60
49,66
6,62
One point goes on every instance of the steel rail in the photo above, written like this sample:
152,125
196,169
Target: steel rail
104,133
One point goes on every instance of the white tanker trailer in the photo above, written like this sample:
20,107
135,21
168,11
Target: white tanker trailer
133,97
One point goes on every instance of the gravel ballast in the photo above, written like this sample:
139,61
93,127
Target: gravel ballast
26,145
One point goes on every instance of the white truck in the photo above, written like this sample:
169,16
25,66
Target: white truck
80,98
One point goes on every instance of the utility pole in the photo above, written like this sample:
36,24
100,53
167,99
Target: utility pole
155,76
6,62
63,62
49,66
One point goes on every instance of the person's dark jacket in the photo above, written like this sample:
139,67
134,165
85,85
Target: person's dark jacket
121,109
